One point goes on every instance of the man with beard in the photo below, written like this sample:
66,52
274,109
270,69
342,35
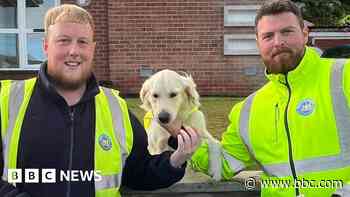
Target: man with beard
62,122
296,127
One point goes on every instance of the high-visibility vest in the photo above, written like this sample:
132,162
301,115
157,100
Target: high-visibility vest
113,132
317,153
344,191
147,119
324,167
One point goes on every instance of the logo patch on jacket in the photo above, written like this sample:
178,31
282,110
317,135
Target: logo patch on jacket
306,107
105,142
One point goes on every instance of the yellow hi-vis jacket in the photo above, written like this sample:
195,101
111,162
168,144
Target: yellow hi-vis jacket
112,122
296,127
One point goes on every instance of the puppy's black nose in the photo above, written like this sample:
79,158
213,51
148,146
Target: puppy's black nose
164,117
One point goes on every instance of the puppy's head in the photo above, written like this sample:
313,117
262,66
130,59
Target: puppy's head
169,95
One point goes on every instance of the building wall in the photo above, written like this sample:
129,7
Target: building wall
186,35
181,35
329,43
99,10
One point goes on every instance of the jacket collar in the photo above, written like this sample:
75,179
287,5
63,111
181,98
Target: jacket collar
45,83
304,70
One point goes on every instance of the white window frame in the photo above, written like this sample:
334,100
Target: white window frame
229,41
328,36
233,11
22,32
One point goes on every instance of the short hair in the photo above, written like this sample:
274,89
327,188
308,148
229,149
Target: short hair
67,13
273,7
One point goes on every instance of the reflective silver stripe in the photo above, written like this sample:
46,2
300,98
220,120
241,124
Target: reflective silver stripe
344,192
342,112
244,121
342,117
307,165
244,126
235,165
107,182
120,133
279,169
117,115
15,101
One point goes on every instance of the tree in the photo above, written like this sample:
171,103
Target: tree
325,12
345,21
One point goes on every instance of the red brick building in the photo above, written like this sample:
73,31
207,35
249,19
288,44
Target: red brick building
328,37
141,35
213,40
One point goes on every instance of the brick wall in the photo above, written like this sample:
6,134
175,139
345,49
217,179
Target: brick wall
99,10
180,35
17,75
241,83
329,43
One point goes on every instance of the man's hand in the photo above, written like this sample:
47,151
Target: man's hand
187,142
174,128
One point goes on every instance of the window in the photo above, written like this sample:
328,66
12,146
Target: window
240,15
8,50
21,32
240,44
236,16
328,36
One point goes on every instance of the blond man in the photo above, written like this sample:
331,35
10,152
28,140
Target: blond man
62,122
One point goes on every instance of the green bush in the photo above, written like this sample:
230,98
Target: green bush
345,21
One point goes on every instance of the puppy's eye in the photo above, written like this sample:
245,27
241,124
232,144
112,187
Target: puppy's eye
155,95
172,95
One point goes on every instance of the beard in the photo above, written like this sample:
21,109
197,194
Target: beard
283,60
69,83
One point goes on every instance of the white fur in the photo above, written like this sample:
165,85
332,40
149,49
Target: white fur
157,95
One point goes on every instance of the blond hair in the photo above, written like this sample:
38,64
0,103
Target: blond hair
67,13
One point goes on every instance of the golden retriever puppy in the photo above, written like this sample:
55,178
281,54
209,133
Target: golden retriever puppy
173,101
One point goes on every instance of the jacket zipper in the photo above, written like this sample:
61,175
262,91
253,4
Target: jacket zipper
71,146
291,161
277,115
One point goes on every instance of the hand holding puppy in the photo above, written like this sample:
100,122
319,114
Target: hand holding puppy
188,141
174,129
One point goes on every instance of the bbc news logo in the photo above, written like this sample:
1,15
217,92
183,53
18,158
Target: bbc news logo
52,175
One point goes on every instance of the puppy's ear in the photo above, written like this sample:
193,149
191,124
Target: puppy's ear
191,91
146,105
